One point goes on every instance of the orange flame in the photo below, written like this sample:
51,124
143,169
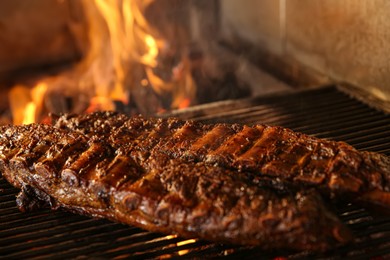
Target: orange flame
120,40
125,42
25,102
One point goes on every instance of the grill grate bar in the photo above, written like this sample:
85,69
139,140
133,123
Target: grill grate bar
7,197
349,127
178,250
4,184
8,204
138,241
59,229
10,216
266,108
368,222
358,215
285,107
372,229
317,123
372,144
272,114
157,247
215,110
373,241
363,134
380,150
296,118
9,192
49,238
210,250
375,254
77,240
8,211
353,129
31,220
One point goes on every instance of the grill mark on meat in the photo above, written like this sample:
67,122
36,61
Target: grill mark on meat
38,144
152,138
187,135
319,164
182,139
256,155
234,146
287,163
301,155
341,166
122,170
60,153
316,166
52,158
162,199
74,174
32,154
111,175
289,155
211,140
31,150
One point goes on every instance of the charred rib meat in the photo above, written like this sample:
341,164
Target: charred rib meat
335,168
92,176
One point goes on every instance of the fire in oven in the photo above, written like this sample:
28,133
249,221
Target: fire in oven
160,131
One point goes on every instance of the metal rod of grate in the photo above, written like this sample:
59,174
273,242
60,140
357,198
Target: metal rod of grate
324,112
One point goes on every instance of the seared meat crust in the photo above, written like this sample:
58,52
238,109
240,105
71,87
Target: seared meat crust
335,168
128,180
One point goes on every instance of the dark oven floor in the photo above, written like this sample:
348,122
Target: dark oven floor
325,112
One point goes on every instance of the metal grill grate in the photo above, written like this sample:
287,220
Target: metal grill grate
325,112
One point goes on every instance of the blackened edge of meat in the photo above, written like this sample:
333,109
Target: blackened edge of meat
31,199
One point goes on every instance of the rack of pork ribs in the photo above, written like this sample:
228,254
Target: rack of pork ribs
258,185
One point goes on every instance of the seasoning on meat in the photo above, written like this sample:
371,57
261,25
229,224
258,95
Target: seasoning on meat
335,168
106,177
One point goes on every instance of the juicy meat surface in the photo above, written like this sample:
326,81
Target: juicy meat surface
132,182
335,168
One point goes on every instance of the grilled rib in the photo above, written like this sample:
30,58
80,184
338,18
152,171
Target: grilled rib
335,168
88,175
